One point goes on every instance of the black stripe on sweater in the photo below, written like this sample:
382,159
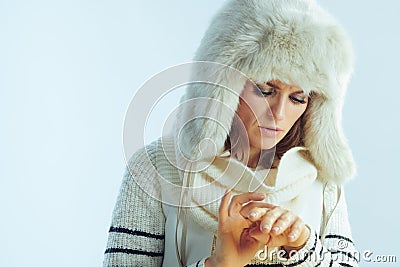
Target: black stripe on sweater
135,232
134,251
321,251
340,237
345,264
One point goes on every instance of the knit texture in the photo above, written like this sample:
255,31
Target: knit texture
136,235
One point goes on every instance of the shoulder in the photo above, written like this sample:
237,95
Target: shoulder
143,157
141,176
140,170
154,164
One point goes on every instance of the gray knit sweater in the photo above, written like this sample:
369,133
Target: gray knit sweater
137,233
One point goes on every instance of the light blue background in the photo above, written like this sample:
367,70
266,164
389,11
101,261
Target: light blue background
68,70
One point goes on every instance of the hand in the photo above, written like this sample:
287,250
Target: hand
235,246
276,226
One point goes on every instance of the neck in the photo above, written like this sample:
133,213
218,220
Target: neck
253,157
256,157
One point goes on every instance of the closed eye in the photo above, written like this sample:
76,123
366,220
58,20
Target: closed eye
266,92
298,99
263,90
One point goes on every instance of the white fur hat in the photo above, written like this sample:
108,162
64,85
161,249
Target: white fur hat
294,41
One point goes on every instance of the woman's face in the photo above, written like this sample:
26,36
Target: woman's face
269,110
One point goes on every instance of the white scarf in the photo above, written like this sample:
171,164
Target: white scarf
287,185
292,185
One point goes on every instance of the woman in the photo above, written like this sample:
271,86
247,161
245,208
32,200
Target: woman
264,118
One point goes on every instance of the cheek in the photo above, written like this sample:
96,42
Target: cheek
247,110
257,107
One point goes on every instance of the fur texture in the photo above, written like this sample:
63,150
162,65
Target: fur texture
294,41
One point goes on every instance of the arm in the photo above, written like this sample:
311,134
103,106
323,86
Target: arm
136,235
333,248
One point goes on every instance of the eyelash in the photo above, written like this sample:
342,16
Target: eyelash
264,93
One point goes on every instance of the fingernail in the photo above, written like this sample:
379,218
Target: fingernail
262,195
276,229
252,214
265,227
291,236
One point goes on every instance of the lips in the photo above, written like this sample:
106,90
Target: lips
270,131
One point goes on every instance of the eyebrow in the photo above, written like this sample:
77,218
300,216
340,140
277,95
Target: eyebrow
273,85
277,87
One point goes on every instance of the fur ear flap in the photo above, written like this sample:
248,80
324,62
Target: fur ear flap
326,142
207,110
294,41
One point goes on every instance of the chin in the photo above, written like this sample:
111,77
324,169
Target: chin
267,147
266,144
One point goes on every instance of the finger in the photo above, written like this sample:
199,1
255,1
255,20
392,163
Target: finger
223,207
256,214
255,209
256,233
296,230
283,223
269,219
237,201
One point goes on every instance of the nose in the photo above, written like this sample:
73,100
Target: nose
277,108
